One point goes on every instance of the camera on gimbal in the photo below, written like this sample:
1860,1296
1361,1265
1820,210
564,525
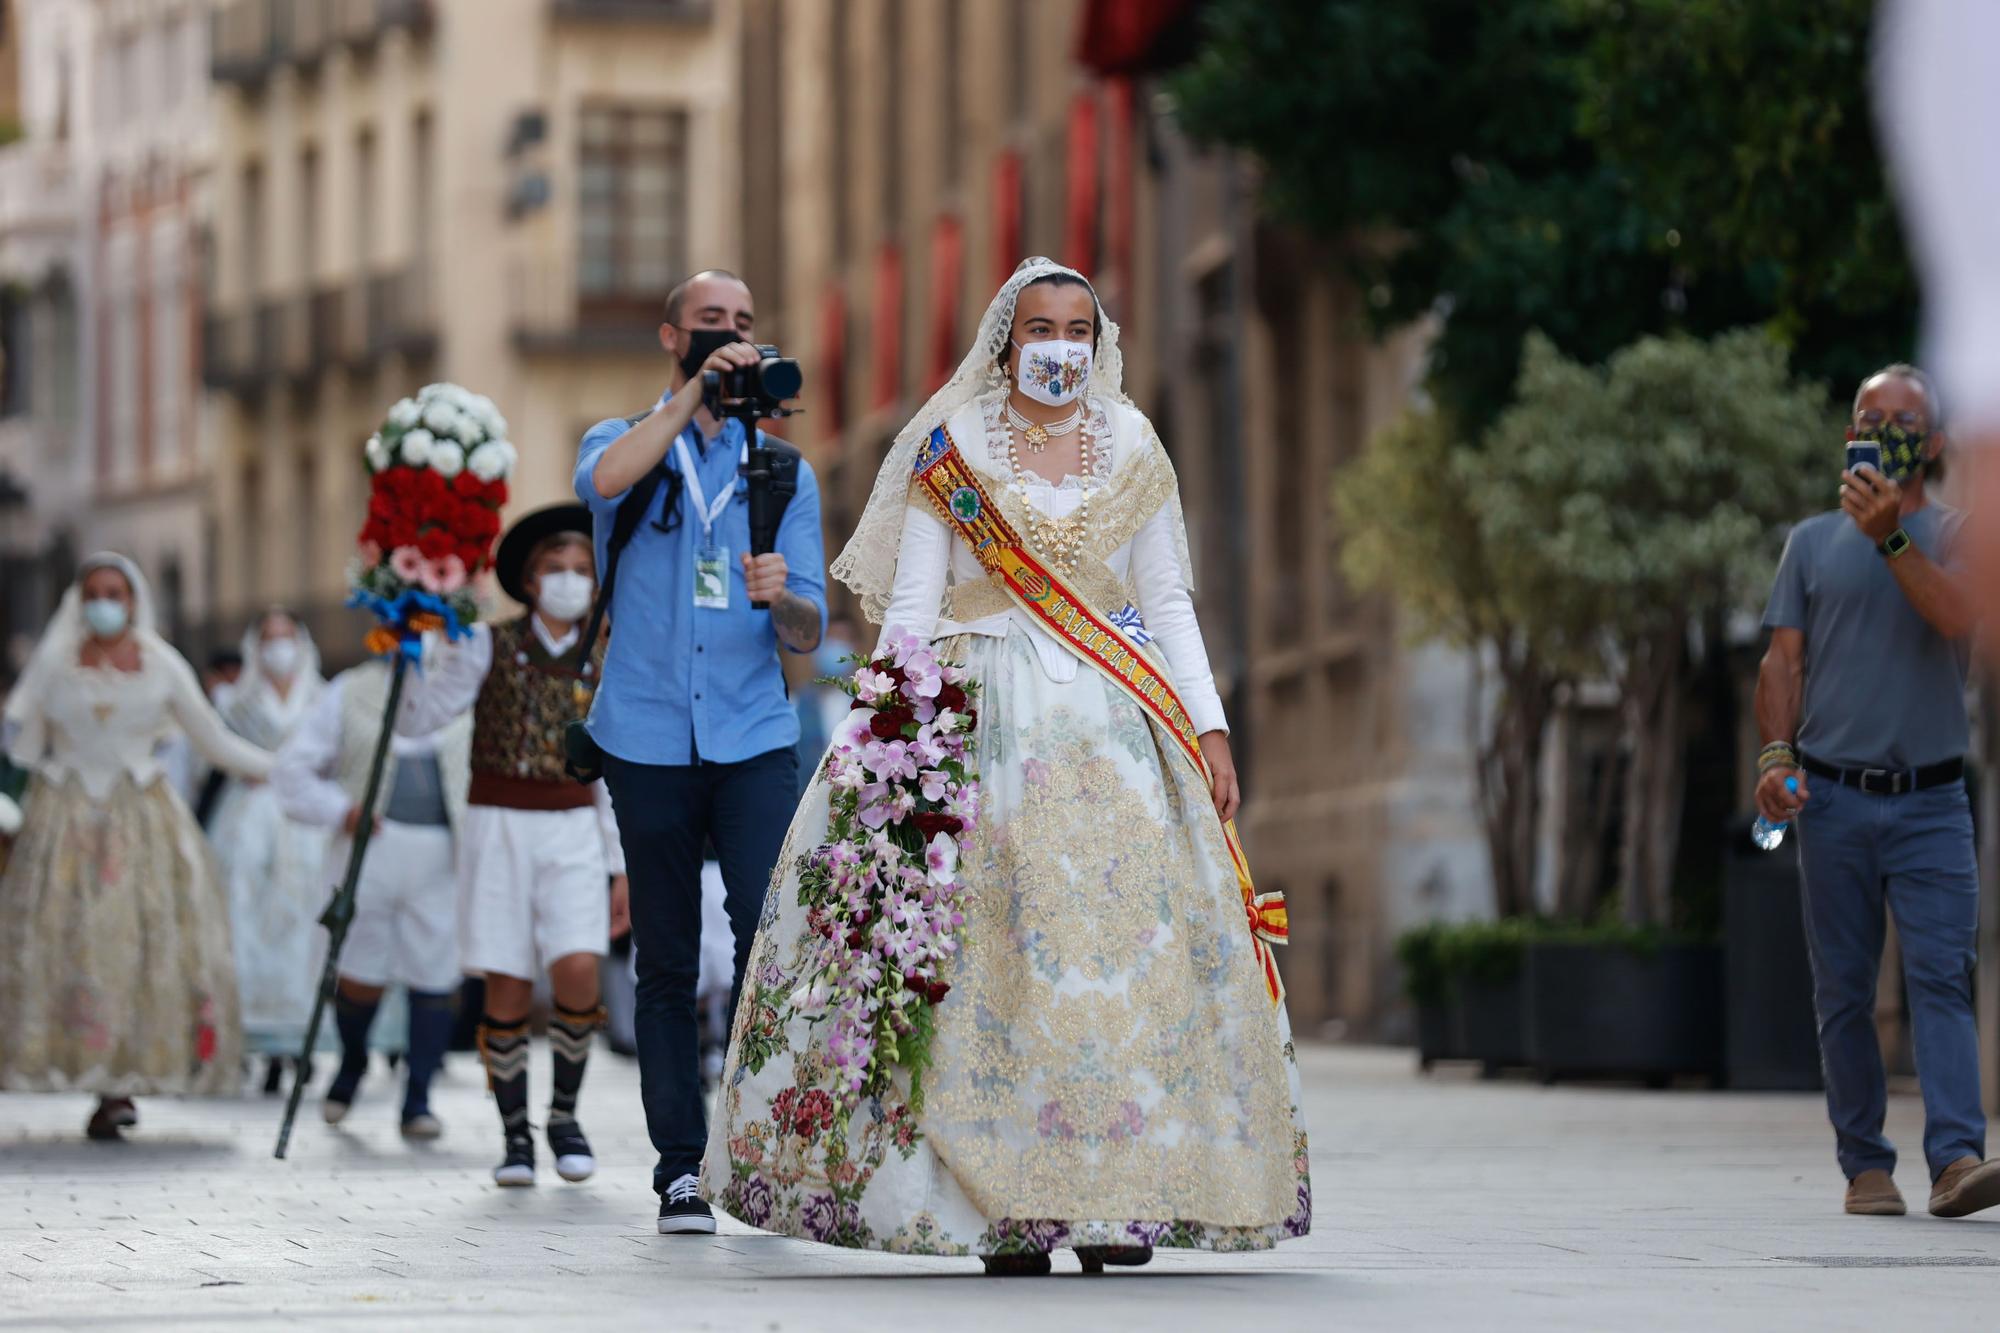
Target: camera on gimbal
754,392
750,394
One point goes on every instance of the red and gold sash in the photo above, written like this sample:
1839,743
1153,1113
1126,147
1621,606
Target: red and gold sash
1086,631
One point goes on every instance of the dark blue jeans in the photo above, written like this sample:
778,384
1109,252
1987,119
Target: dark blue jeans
665,814
1914,853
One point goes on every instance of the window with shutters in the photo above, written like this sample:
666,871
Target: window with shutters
631,210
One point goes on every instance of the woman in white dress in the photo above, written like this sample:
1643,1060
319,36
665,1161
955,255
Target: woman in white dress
1109,1069
114,932
271,864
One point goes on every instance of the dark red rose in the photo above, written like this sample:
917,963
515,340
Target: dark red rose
932,822
930,989
952,697
889,723
854,939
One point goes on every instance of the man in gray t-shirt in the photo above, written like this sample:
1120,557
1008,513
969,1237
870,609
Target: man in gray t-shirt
1861,702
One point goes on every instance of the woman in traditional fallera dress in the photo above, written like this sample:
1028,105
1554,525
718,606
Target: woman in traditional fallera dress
1109,1069
270,862
115,969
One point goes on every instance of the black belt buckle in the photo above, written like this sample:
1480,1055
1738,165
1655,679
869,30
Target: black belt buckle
1885,781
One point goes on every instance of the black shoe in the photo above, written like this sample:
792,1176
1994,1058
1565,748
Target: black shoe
1093,1258
572,1151
683,1212
340,1092
1034,1264
274,1076
519,1167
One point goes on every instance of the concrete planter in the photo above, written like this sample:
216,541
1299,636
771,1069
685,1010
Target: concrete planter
1609,1010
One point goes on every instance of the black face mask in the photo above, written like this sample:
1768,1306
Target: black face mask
701,345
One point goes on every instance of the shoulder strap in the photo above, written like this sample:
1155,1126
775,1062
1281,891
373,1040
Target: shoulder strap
630,514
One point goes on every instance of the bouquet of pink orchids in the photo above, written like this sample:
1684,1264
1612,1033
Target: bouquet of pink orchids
882,893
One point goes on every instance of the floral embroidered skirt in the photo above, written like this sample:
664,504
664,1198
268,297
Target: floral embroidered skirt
1108,1067
115,968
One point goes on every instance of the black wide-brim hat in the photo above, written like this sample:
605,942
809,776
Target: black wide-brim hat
510,562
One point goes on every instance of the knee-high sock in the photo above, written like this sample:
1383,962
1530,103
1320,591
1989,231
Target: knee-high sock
352,1019
431,1015
504,1048
569,1042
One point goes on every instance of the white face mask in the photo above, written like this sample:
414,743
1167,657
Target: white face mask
1054,371
107,618
566,595
281,656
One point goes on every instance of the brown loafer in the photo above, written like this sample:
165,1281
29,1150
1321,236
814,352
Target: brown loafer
1874,1194
1965,1187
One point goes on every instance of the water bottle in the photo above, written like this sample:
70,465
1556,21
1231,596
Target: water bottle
1768,836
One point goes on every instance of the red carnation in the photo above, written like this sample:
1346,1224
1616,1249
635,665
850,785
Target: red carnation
436,543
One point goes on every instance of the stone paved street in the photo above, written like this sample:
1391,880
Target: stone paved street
1443,1203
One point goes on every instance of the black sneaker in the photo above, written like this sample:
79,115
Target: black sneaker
571,1149
519,1168
683,1212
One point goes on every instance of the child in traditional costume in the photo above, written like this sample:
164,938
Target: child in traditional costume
541,872
405,927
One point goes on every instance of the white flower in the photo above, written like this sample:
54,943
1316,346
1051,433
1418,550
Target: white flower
377,454
942,858
417,446
491,462
405,414
447,459
442,418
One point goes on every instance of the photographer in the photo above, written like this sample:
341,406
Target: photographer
1861,702
692,717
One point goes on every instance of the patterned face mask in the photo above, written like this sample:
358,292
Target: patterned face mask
1054,371
1902,449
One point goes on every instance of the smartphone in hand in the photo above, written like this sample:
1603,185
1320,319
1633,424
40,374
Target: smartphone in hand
1860,455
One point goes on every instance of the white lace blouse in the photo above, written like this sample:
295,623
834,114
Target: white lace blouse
932,557
96,724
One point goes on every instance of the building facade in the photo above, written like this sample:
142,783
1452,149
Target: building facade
901,157
495,192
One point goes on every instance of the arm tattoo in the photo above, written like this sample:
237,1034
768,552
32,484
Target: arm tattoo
797,621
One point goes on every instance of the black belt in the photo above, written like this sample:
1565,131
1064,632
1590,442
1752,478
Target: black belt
1887,781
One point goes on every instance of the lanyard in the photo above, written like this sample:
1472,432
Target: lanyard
706,511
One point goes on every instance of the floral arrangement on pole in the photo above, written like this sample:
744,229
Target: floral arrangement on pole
882,894
439,467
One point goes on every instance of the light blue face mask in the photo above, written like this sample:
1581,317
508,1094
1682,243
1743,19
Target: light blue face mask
106,617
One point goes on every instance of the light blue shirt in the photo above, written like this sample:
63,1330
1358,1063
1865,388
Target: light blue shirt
683,683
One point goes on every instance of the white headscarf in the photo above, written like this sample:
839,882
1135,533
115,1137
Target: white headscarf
63,640
255,687
867,564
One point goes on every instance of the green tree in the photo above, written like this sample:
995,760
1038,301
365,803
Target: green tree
1412,531
1642,497
1746,124
1591,169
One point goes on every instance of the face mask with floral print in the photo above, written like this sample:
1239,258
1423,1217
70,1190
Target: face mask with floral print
1054,371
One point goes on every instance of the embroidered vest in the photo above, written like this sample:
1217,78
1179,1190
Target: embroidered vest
527,700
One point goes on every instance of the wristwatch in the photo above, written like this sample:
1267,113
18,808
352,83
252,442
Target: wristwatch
1894,544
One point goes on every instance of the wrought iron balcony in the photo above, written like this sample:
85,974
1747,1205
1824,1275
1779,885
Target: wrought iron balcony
252,39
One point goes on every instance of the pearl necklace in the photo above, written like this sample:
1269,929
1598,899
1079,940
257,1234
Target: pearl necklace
1038,436
1060,539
